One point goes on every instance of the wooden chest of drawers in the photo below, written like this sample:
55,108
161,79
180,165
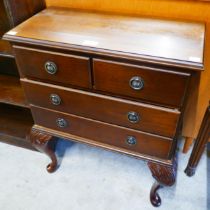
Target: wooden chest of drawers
109,81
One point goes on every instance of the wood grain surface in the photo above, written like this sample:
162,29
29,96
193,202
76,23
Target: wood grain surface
156,86
71,70
103,132
152,119
172,40
172,9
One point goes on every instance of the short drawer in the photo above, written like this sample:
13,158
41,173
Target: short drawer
53,67
139,116
104,133
152,85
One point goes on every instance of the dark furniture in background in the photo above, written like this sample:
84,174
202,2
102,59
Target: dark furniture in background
15,114
109,81
200,144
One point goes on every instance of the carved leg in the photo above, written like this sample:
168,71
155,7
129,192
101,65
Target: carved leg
46,144
165,175
154,196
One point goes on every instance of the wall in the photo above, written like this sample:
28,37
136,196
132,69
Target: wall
173,9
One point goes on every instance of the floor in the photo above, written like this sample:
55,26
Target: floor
92,179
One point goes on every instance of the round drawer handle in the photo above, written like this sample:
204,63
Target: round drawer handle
136,83
131,140
55,99
51,67
61,123
133,117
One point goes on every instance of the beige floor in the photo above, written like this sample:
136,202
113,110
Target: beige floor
91,179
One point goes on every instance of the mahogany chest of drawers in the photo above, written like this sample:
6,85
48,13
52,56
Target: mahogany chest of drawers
116,82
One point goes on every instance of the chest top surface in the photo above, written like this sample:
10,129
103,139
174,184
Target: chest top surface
135,37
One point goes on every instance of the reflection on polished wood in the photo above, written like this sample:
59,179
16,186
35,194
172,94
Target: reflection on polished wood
172,40
172,9
43,33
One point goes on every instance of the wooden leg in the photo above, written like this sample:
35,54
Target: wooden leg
154,196
165,175
190,171
45,143
200,143
188,143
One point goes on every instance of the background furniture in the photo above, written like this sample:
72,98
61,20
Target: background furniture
16,119
175,9
200,144
107,90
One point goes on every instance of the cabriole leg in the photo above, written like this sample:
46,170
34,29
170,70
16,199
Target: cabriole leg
45,143
165,175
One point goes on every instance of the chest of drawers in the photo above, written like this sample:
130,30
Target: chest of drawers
116,82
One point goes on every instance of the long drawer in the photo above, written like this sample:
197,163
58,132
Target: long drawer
54,67
116,136
125,113
148,84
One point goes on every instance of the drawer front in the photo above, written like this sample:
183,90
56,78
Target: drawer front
53,67
151,85
105,133
125,113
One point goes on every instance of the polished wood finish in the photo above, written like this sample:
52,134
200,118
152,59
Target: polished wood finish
71,70
153,119
166,9
200,144
157,88
19,11
154,196
99,33
165,176
103,132
5,49
46,144
4,23
12,13
15,125
185,63
11,91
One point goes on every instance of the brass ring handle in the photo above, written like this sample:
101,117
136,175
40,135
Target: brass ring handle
55,99
61,123
131,140
133,117
136,83
51,67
